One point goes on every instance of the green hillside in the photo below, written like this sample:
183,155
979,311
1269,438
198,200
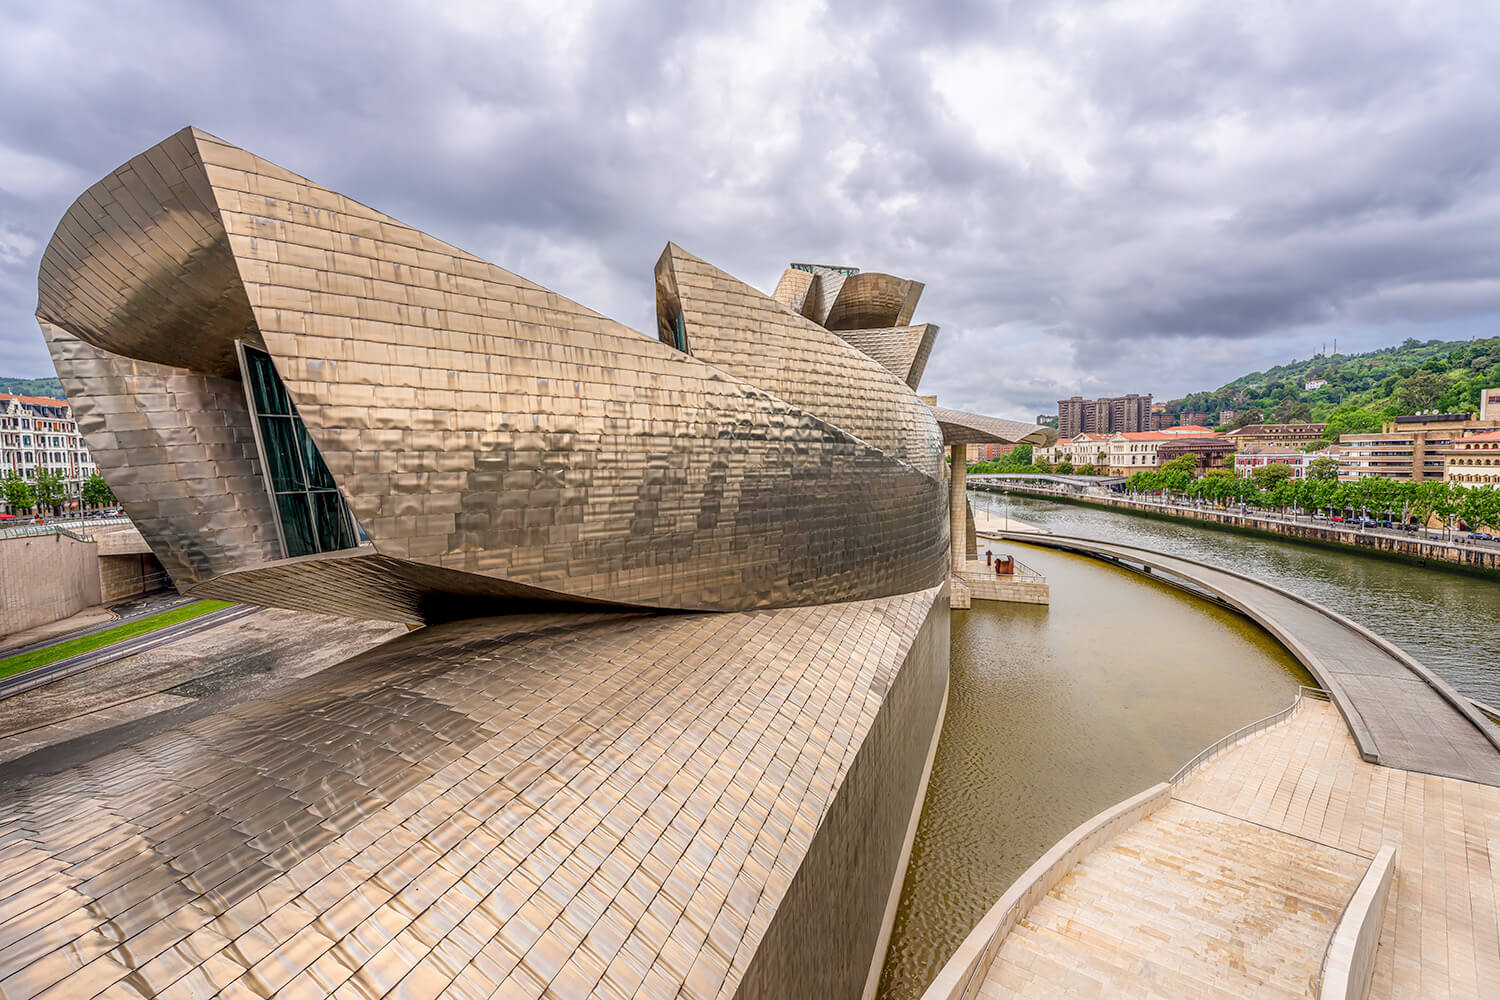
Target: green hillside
32,387
1362,389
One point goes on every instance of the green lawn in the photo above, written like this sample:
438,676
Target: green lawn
108,637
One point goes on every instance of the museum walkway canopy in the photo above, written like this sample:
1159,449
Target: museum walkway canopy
962,427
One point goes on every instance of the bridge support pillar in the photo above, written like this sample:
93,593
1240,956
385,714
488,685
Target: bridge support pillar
958,469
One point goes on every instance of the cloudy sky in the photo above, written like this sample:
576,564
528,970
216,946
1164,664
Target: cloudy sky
1123,197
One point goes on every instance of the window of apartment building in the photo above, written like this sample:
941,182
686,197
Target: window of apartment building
310,511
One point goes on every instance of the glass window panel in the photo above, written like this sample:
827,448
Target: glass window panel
318,476
281,454
266,386
296,524
332,522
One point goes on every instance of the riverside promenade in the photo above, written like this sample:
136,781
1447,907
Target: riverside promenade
1399,713
1347,848
1423,550
1232,881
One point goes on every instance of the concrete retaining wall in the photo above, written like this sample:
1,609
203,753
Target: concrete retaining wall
1350,962
127,576
45,578
1412,550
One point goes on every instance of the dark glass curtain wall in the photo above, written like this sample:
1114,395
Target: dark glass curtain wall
312,513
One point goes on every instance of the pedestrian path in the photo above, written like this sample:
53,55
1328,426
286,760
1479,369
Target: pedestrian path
1398,712
1233,887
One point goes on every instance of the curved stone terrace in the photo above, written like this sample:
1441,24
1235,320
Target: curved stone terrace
1231,883
1398,712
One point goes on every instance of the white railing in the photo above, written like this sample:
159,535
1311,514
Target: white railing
74,528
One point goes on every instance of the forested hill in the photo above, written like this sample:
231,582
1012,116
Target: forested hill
1362,389
32,387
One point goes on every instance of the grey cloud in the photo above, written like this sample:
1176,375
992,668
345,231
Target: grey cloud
1125,198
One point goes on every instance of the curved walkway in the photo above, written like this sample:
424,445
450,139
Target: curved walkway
1399,713
1232,887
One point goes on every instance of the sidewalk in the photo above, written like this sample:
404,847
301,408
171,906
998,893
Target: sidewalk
986,523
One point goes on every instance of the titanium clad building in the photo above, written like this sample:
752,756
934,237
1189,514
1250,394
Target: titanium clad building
304,403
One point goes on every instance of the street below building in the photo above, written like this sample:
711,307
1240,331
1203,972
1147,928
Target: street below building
167,684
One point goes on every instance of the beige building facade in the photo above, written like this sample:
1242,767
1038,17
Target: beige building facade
1277,435
1412,448
1119,454
1474,460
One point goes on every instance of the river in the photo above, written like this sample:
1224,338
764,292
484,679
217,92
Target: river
1449,621
1055,713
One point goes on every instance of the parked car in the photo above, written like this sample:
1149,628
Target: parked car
1337,517
1481,536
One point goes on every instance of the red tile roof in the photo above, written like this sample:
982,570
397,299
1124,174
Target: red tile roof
35,400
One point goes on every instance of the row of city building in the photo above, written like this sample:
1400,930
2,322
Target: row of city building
1421,447
39,433
1128,414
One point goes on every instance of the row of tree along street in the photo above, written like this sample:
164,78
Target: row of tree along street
1271,487
45,491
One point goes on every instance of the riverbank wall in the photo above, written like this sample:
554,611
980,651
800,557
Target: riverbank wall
1413,551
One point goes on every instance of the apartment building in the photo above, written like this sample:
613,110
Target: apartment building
1288,436
39,432
1474,460
1414,448
1120,454
1211,450
1105,415
1249,459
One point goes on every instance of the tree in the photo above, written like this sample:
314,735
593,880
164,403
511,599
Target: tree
1480,507
1324,469
1088,470
1065,467
1041,465
1420,391
1291,411
1267,477
96,492
1182,463
19,494
50,489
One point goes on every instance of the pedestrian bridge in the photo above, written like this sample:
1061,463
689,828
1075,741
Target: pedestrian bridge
1074,483
1399,713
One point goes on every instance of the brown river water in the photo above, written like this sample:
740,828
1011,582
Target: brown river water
1055,713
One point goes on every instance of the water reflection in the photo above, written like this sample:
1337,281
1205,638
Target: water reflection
1054,714
1445,619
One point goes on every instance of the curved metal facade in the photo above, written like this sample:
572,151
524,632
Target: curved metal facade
494,440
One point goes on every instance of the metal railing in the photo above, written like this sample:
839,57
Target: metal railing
1021,569
1303,691
76,528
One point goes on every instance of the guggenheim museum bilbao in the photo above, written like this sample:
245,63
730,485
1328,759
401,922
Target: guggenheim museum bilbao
669,726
